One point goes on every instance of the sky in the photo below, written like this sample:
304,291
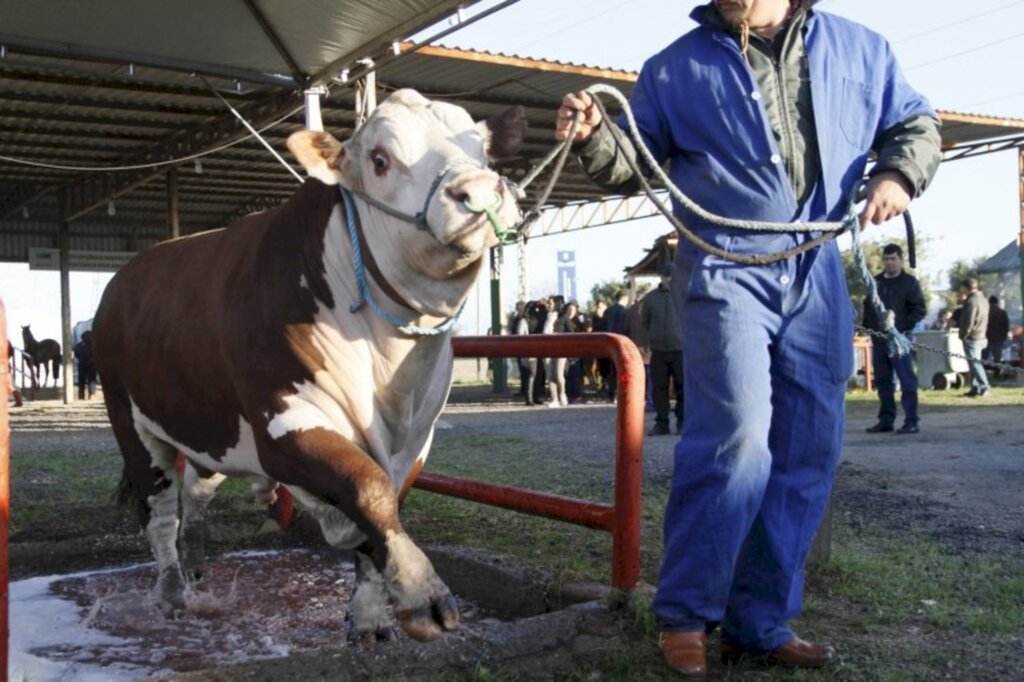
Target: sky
965,57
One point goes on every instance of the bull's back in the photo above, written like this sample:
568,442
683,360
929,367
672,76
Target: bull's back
159,335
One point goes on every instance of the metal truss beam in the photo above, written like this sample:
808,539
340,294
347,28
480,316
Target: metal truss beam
579,216
966,151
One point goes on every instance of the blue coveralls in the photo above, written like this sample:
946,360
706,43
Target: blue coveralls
767,350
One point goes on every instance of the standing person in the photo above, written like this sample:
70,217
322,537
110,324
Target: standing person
86,366
767,350
997,331
574,323
973,326
599,323
554,323
521,327
615,323
901,293
638,335
662,327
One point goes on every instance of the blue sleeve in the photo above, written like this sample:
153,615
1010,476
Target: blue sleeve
648,112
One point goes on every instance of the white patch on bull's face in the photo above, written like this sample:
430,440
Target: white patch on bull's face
401,151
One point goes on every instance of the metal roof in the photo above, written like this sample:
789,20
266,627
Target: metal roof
99,110
1007,260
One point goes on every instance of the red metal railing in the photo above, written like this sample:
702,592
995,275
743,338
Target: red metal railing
622,518
5,489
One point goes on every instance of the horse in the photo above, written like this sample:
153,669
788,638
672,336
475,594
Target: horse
39,353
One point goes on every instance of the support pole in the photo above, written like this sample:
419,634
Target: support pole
6,382
173,216
497,364
314,120
65,297
1020,240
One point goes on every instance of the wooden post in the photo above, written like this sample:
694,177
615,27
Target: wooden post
65,297
173,216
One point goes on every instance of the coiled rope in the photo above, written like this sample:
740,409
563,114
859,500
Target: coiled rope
897,343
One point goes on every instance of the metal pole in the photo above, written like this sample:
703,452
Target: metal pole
173,215
65,296
314,120
497,364
1020,240
5,498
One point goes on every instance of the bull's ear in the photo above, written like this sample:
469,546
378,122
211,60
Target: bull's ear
505,133
320,153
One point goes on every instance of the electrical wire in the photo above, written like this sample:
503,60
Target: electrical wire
956,23
155,164
964,52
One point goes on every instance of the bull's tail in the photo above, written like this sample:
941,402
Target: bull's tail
56,363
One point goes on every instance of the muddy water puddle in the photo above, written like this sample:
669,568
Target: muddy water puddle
249,606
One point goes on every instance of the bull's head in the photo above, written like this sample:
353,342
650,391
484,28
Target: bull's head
415,157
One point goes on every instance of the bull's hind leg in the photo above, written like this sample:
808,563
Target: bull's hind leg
162,529
149,478
197,489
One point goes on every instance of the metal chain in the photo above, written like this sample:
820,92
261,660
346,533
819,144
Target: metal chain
949,354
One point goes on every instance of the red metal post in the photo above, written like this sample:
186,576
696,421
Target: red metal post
5,498
623,518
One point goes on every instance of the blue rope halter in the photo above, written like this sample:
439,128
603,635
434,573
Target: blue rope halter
364,290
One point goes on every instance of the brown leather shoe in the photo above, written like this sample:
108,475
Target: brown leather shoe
796,653
686,653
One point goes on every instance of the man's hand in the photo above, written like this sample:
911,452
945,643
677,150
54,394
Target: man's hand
888,195
573,103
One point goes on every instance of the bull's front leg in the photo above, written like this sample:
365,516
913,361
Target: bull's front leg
334,476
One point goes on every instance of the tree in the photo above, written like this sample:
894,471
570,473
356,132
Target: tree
960,271
607,291
873,257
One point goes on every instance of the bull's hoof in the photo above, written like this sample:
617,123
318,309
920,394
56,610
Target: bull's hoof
172,591
368,638
430,622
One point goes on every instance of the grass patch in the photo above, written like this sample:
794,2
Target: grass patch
896,581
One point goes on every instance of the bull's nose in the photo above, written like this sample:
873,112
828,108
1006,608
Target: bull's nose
476,191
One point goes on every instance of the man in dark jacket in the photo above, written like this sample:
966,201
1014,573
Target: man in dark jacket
997,331
662,328
901,293
615,323
973,326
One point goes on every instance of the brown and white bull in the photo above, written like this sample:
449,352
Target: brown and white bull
246,348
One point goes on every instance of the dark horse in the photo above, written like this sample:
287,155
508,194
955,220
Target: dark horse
39,353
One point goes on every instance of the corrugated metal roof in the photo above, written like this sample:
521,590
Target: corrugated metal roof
1008,259
94,112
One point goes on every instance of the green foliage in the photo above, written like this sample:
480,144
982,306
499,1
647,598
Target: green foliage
873,255
606,291
960,271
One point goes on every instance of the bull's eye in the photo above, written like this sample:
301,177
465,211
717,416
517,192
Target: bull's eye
381,161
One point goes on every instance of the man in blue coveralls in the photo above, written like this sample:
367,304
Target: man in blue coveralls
766,111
